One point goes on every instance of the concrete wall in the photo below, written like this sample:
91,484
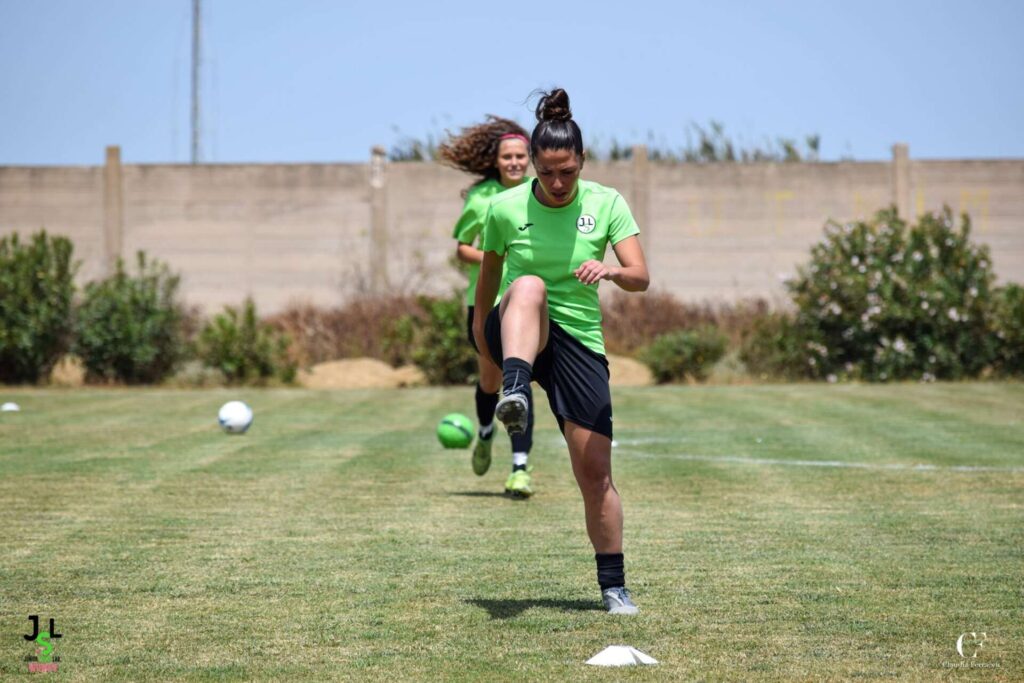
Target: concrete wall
992,192
324,232
728,231
64,201
274,232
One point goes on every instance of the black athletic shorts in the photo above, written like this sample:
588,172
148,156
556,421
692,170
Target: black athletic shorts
469,329
574,377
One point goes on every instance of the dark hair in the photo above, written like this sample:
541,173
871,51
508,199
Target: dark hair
555,128
475,149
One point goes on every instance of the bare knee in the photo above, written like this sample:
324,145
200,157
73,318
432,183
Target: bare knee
595,480
528,289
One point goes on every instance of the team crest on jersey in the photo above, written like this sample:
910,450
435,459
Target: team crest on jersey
586,224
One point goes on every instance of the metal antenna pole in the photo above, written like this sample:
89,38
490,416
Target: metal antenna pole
196,15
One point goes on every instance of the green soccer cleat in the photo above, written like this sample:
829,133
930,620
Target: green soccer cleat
518,484
482,454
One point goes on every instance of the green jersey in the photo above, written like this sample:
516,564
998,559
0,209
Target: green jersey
552,243
471,224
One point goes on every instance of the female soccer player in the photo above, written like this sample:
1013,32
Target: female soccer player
551,235
496,152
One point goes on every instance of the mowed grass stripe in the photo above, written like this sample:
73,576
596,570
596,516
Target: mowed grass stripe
853,423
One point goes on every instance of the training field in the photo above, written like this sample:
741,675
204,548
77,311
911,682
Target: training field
772,532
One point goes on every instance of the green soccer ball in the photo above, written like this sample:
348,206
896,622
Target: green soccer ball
455,431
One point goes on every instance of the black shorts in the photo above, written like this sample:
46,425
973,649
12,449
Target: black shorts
574,377
469,329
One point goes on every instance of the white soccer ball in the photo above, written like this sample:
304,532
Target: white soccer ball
10,408
235,417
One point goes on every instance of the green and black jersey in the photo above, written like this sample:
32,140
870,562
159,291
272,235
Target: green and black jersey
471,224
551,243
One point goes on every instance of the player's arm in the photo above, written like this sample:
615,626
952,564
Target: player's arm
631,273
486,291
469,225
467,253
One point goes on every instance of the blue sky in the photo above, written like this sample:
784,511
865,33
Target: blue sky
309,80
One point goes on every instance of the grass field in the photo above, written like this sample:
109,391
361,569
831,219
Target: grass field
800,532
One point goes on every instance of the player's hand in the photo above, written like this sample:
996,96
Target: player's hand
593,271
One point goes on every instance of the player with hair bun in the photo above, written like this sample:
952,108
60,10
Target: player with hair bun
544,243
495,151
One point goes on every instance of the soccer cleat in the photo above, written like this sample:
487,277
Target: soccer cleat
618,601
482,454
513,411
518,484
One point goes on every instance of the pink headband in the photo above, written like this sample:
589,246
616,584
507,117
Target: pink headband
514,136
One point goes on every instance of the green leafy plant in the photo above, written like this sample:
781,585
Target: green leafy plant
714,145
130,328
684,354
1008,322
711,144
775,347
435,340
36,291
410,148
881,300
244,349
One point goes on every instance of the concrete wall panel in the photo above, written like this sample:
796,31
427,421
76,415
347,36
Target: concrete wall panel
303,232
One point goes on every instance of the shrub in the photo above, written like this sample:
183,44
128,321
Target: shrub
684,354
246,350
130,328
36,290
882,301
630,322
194,374
1008,322
775,347
436,339
359,328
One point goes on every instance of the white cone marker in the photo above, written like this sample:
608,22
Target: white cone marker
620,655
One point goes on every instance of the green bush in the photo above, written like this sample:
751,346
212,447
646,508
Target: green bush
36,290
436,341
775,347
880,301
684,354
399,340
246,350
1008,322
129,328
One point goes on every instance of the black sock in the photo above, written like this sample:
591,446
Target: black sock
516,468
516,375
523,443
611,571
485,406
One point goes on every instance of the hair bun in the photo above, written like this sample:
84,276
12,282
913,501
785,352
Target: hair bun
554,106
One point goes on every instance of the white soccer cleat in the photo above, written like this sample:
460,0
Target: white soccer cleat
618,601
514,412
